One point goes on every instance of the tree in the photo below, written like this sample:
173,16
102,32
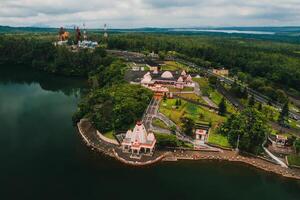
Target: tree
165,97
259,108
297,145
284,115
250,127
173,129
177,103
251,101
188,125
222,107
212,80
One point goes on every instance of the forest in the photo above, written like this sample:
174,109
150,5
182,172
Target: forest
41,54
264,65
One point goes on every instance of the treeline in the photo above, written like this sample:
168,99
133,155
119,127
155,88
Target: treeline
274,64
112,104
43,55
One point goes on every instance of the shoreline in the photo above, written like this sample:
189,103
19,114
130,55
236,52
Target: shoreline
91,139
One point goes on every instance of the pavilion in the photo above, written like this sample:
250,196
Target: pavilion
138,141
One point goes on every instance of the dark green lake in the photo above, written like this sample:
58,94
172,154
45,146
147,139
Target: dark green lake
43,157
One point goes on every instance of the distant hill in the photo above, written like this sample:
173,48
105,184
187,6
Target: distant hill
8,29
282,34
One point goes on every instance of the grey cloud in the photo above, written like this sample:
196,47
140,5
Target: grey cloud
163,13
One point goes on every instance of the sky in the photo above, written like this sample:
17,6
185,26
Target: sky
150,13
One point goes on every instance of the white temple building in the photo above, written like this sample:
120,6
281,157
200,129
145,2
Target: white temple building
168,78
138,141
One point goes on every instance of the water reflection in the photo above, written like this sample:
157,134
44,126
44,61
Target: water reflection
24,75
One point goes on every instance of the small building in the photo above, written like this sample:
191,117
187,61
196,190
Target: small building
201,134
221,72
87,44
281,140
138,141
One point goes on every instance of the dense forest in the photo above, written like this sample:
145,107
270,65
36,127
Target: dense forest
111,104
263,65
43,55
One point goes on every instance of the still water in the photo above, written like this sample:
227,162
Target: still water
42,156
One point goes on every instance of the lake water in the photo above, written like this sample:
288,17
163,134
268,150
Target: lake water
43,157
226,31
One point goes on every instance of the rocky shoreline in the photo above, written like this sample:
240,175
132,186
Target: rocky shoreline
92,139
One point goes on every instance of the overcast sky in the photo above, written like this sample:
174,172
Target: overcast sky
150,13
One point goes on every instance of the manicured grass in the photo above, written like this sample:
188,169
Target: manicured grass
158,123
199,115
294,160
193,97
214,95
195,112
218,139
173,66
110,135
185,89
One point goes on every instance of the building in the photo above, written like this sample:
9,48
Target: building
201,134
281,140
221,72
138,141
85,44
167,79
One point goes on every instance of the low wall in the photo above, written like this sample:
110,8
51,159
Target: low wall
111,141
137,163
217,146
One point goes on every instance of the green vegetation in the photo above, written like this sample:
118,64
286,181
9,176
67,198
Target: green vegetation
219,140
294,160
188,110
114,108
266,65
222,107
43,55
208,90
164,140
187,125
284,115
158,123
249,128
173,66
297,146
110,135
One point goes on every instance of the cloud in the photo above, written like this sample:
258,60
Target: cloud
142,13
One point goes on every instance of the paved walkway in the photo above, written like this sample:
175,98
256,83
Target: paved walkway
209,102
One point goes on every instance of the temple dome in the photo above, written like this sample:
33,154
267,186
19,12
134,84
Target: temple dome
167,74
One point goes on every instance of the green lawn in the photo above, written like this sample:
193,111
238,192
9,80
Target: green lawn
218,139
294,160
173,66
198,113
193,97
185,89
110,135
214,95
158,123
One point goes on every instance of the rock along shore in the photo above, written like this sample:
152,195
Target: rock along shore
92,139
